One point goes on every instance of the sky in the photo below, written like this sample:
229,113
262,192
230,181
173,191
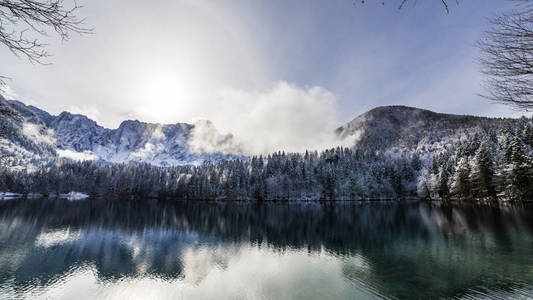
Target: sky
256,67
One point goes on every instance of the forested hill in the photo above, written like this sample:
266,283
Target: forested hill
403,128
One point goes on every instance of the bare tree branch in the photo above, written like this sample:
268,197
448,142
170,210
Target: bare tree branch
445,6
403,2
23,21
507,57
3,83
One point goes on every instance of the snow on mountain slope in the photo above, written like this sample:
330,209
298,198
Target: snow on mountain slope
402,128
28,110
132,141
77,131
36,135
78,137
25,141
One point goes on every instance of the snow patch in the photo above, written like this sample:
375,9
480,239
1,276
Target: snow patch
9,195
79,156
74,196
158,133
38,134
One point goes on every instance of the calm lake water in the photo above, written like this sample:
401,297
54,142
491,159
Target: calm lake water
98,249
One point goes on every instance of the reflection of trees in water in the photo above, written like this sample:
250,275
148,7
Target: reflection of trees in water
340,228
396,240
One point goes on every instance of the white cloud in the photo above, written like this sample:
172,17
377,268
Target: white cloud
285,117
149,150
90,111
37,134
205,138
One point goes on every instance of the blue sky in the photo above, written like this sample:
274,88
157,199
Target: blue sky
170,61
371,55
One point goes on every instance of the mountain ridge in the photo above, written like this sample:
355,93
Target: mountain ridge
395,128
79,136
398,127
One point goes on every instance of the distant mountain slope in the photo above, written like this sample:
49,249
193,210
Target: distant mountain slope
24,138
76,136
27,110
402,128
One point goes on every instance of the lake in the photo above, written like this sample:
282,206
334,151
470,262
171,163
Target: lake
102,249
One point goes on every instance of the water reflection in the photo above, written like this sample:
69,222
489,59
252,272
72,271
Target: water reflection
156,249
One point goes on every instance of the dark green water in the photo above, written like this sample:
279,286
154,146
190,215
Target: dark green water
97,249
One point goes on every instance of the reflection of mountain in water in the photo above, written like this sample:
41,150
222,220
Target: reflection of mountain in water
403,246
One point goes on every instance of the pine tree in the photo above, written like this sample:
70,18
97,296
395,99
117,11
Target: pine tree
527,134
520,181
442,184
461,181
482,177
423,187
416,163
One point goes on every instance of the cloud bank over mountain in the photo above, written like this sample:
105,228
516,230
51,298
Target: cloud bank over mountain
285,117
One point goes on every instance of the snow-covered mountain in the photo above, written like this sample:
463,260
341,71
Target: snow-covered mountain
30,135
402,128
24,138
75,136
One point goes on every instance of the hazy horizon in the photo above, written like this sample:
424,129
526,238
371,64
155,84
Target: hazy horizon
518,115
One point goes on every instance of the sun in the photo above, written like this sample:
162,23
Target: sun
164,89
162,97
